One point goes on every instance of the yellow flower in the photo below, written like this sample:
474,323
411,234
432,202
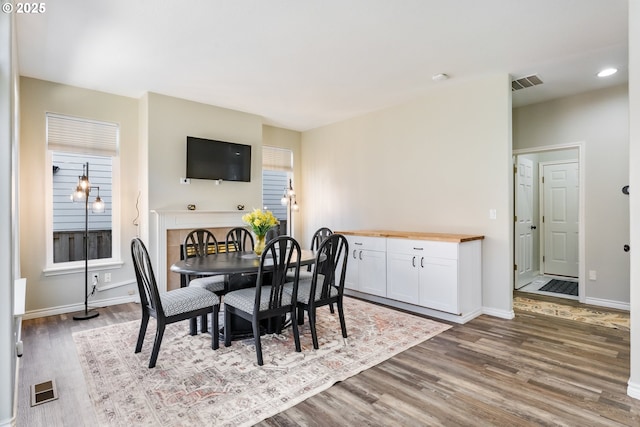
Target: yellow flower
260,222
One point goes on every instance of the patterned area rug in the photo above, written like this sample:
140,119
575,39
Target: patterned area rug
617,320
195,385
561,287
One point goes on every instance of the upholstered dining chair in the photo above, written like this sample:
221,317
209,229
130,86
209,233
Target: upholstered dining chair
200,243
318,237
168,307
326,285
267,300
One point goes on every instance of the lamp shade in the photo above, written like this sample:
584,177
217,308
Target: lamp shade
97,206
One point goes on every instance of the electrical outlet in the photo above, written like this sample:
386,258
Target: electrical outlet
185,180
131,292
95,280
107,277
593,275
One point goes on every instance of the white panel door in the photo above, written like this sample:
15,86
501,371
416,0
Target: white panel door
561,219
524,227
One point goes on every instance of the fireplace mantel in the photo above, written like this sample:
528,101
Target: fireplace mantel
163,220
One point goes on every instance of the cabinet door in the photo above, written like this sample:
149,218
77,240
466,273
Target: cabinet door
372,272
439,284
353,264
403,273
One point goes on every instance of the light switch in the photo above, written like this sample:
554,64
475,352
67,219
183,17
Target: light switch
493,214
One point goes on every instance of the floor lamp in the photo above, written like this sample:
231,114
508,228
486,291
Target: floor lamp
289,199
82,194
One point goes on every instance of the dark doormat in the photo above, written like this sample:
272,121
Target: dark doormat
561,287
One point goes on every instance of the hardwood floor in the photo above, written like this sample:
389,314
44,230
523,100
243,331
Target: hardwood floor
531,371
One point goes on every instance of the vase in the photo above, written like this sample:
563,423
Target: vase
259,246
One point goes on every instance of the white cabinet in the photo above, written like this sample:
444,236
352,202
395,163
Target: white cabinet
366,267
433,274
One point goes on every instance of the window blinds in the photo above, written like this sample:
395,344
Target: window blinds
77,135
277,159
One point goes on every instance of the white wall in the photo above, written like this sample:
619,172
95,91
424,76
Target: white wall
8,221
634,198
600,120
64,293
438,164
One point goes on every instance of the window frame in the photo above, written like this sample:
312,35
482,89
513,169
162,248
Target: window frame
53,269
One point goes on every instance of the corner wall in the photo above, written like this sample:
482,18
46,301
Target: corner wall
438,164
64,293
599,119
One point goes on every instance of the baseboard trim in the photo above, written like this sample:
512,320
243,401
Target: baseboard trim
502,314
415,308
71,308
633,389
608,303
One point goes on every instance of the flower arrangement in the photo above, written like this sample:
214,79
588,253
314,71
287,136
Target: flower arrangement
260,221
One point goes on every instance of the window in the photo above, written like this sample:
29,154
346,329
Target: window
80,147
277,170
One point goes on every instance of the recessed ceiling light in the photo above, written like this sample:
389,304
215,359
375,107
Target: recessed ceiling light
607,72
438,77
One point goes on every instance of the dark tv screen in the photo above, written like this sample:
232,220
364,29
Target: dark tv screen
211,159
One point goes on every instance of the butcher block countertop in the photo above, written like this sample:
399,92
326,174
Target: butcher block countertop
414,235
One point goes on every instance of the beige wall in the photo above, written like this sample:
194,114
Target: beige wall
38,97
439,164
600,120
170,121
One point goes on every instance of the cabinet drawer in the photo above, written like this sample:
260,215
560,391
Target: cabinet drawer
367,243
426,248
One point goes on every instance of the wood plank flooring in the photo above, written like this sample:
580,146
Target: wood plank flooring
534,370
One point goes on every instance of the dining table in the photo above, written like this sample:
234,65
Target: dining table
241,268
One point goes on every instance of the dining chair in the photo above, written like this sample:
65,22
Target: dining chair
239,239
200,243
267,300
326,285
171,306
318,237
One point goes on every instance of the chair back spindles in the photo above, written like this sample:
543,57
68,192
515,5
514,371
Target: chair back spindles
239,239
281,256
319,236
147,286
199,243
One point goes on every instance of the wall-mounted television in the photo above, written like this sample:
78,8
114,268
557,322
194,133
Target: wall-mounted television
211,159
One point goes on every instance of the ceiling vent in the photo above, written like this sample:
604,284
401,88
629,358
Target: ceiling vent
525,82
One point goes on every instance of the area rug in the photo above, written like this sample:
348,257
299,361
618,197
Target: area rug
195,385
611,319
561,287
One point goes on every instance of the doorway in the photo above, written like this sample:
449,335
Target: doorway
548,223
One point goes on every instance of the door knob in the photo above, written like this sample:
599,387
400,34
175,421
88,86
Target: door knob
533,227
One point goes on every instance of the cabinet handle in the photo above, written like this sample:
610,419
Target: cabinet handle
360,256
357,243
413,261
354,254
422,262
418,249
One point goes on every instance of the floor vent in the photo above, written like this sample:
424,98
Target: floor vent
43,392
525,82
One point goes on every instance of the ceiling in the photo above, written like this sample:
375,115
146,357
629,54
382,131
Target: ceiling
302,64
